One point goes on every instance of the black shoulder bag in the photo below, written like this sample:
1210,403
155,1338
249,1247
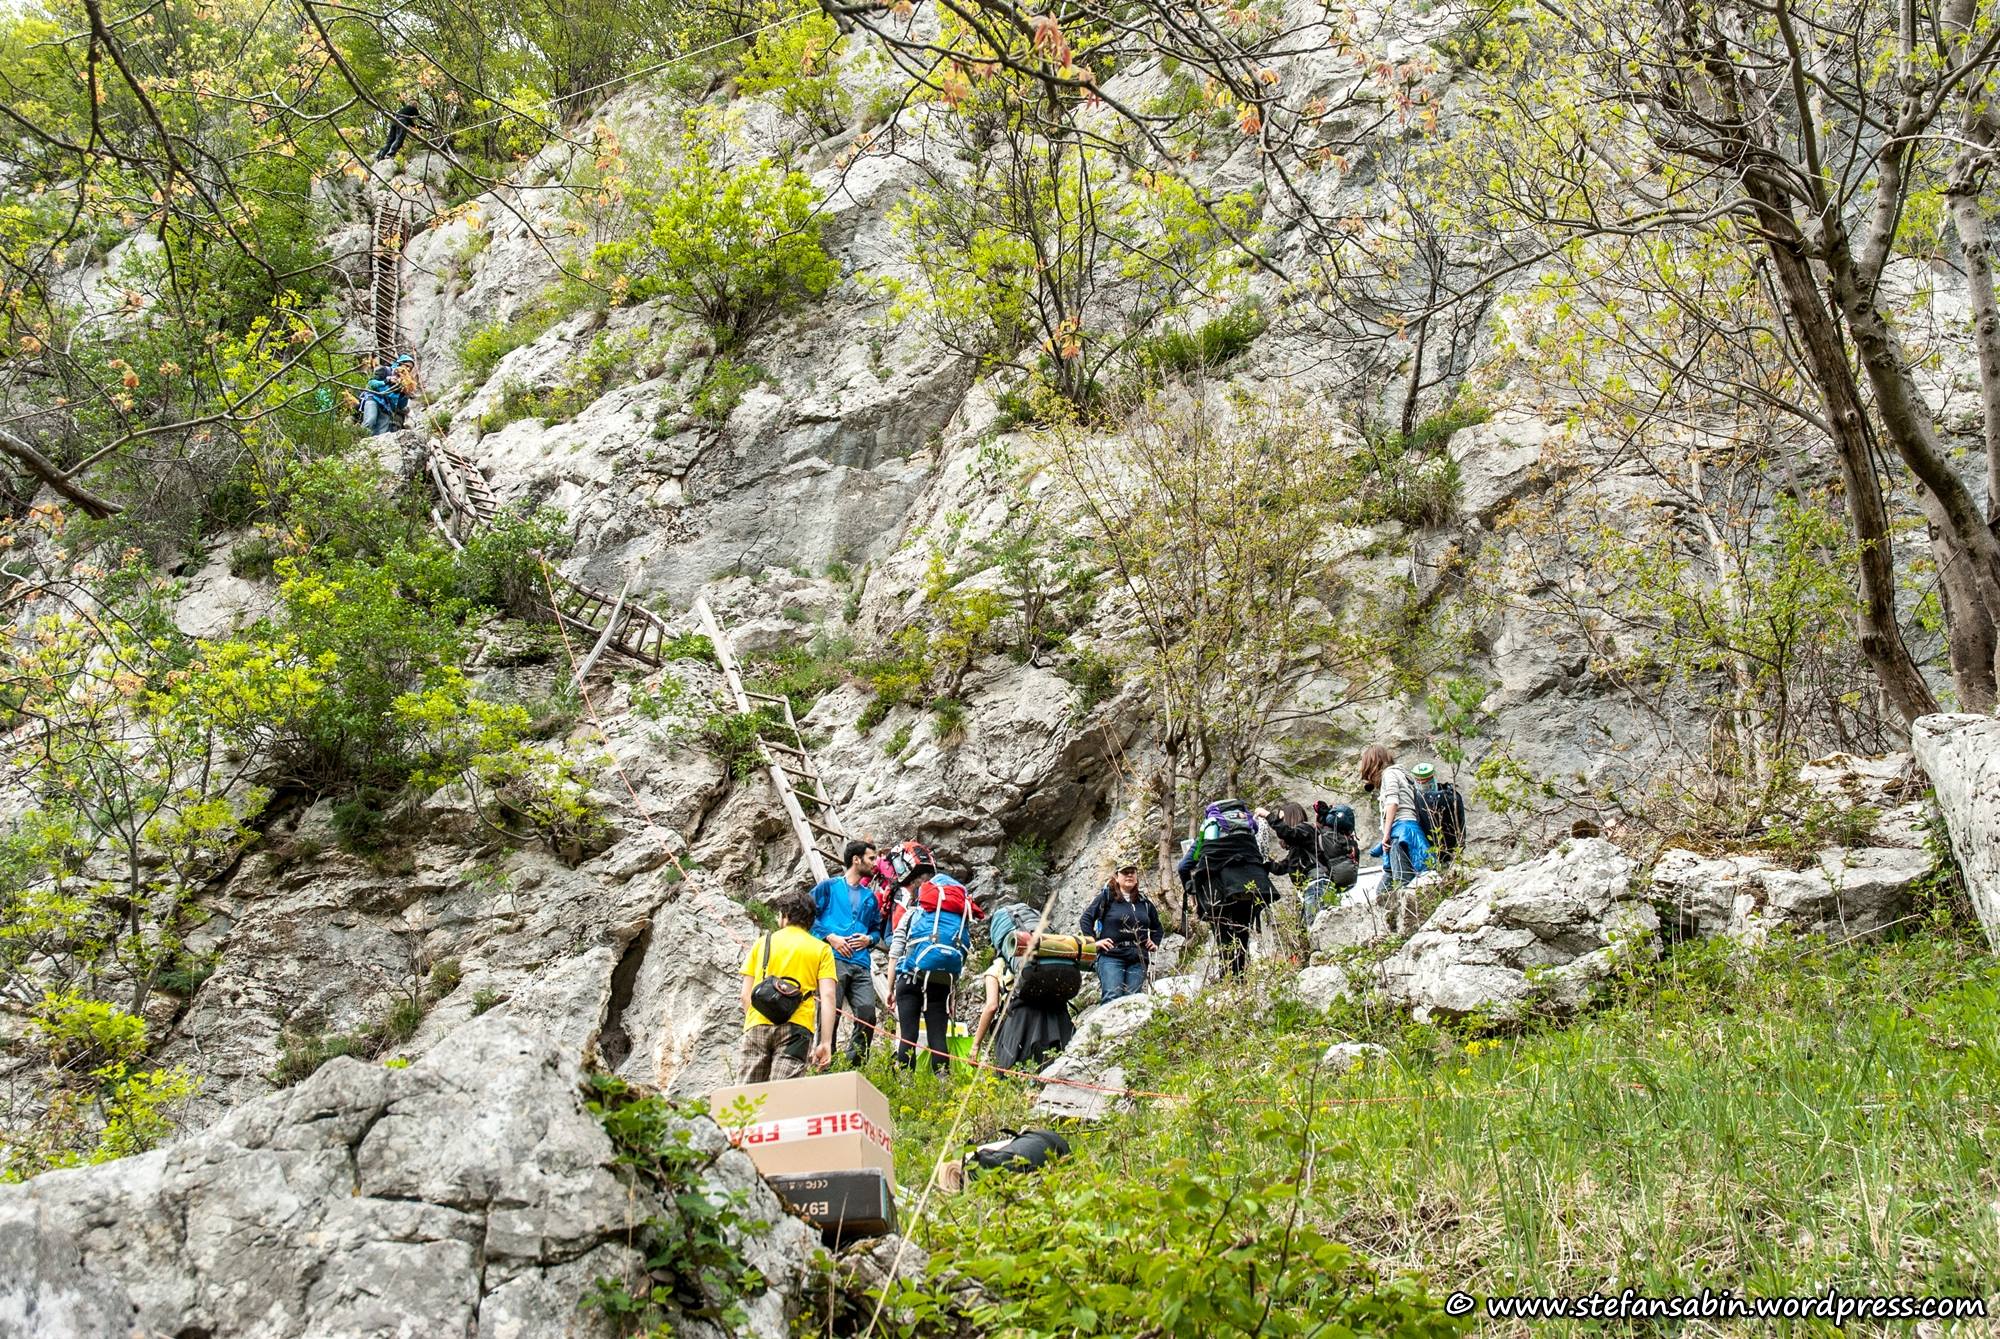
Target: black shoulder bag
775,997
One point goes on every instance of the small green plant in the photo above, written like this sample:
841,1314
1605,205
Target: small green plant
727,382
253,559
689,646
696,1267
445,975
732,737
485,998
1095,675
872,715
948,718
360,822
1024,862
899,739
1181,353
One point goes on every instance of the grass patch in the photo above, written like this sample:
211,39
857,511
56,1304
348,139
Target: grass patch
1771,1122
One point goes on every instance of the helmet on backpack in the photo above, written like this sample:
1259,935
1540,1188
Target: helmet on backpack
1423,771
911,861
1339,817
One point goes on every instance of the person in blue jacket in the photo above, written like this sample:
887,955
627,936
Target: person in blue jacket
849,918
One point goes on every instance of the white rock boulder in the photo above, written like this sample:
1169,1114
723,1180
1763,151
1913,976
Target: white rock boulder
1961,755
1538,934
470,1193
1100,1037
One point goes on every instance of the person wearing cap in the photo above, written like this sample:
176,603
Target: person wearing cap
1126,927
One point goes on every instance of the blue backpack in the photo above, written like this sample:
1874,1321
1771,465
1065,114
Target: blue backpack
937,942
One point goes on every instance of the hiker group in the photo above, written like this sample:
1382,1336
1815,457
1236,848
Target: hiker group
1226,868
818,968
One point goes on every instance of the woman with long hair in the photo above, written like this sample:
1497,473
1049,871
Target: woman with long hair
1405,853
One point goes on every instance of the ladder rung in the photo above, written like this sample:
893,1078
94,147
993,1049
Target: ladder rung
782,748
831,832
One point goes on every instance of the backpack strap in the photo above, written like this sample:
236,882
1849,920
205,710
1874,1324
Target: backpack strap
766,969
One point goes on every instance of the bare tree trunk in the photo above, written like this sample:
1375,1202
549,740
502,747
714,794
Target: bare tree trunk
1907,420
1880,635
1968,637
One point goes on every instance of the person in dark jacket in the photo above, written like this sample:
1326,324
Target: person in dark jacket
1226,871
1324,854
401,122
1122,921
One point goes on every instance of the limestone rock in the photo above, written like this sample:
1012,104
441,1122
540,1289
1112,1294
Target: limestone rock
1844,894
1088,1060
470,1193
1563,918
1177,987
1321,986
1961,755
1363,916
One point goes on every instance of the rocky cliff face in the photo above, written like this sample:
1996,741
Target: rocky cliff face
468,1194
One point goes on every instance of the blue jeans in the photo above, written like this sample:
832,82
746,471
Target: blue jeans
1312,895
1117,978
1408,854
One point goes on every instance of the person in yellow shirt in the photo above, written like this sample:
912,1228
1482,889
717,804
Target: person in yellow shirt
788,988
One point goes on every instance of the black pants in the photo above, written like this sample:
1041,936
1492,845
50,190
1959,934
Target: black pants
1232,921
396,132
929,994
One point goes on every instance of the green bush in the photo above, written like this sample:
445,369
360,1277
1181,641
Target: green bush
948,720
796,62
1181,353
695,1260
732,737
732,246
724,387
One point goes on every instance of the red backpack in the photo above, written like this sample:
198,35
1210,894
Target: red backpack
948,897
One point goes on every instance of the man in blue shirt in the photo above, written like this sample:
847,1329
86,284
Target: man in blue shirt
850,920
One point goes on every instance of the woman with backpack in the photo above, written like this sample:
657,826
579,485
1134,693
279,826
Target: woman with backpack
1127,929
1226,871
1405,854
1325,855
926,953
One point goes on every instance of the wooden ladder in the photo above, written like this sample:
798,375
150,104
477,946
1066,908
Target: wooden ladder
386,264
468,501
815,821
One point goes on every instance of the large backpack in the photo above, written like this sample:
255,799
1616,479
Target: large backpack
1023,1151
931,896
1048,982
1441,814
1338,858
938,940
1006,920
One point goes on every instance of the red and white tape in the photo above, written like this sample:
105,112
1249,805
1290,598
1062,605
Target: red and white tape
810,1127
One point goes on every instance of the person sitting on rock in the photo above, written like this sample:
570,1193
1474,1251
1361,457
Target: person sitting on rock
1226,871
1403,850
848,917
788,997
1126,928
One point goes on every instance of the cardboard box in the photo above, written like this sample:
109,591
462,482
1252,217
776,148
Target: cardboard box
844,1206
821,1123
